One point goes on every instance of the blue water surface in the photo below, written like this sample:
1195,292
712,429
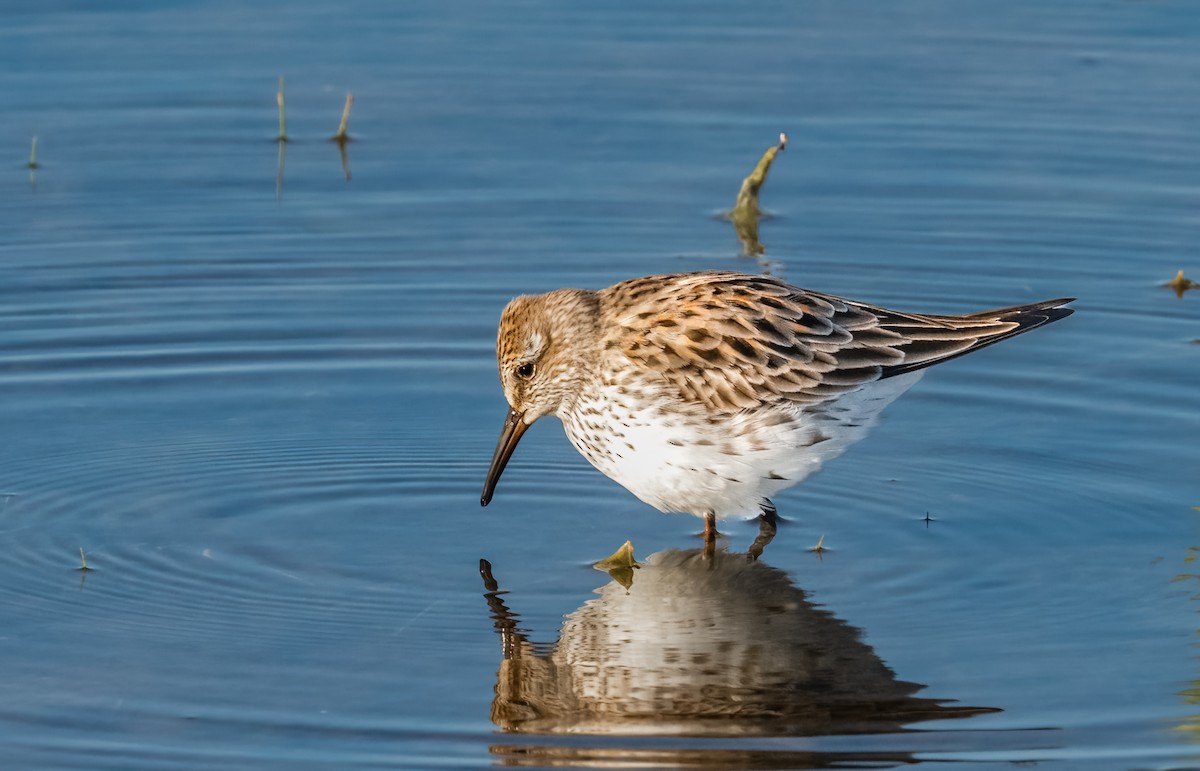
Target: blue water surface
256,384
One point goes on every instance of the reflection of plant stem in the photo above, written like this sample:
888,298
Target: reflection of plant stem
341,136
1190,695
282,119
345,159
279,174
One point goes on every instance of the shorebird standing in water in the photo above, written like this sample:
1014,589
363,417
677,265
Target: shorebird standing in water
708,392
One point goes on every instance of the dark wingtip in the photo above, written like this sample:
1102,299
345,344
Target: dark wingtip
1026,317
485,500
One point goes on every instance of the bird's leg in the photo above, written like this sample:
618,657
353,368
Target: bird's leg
710,534
769,516
766,529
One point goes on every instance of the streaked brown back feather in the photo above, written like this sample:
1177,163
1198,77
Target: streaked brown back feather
733,341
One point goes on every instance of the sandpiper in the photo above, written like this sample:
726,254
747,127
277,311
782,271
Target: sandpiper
708,392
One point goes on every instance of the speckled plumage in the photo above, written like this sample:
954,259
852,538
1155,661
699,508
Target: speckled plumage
707,392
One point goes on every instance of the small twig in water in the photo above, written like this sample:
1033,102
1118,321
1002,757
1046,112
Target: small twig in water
820,547
83,561
33,164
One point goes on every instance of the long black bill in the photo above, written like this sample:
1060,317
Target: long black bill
514,426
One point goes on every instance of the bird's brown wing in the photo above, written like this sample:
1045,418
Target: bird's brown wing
732,341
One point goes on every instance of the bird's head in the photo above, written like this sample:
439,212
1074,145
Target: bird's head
545,347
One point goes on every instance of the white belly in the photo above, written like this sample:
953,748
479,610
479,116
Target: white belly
688,464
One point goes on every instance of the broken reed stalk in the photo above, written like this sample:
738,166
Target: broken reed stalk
341,136
747,200
745,212
33,164
282,118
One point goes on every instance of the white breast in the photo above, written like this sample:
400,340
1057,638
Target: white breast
677,460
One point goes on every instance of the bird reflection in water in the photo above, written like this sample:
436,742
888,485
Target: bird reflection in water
699,645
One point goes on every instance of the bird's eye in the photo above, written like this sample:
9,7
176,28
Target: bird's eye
525,371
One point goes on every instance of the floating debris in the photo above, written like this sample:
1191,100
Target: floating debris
820,547
282,117
83,566
621,558
745,213
620,565
1181,284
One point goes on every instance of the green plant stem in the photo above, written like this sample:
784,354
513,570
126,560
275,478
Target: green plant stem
341,135
282,118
